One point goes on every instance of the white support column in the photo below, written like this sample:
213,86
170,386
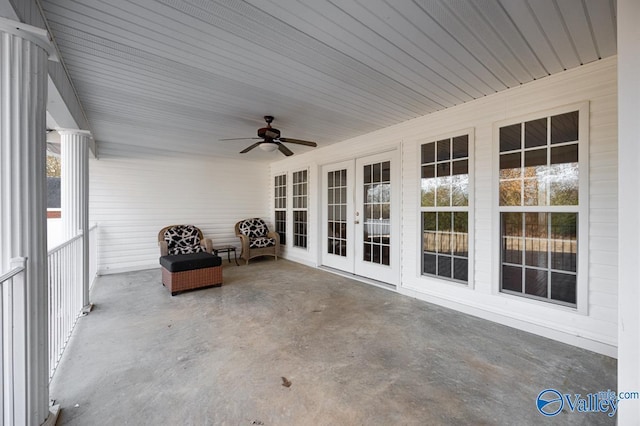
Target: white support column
75,195
23,99
74,155
628,208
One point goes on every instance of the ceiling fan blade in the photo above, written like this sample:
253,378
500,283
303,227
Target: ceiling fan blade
298,141
283,149
249,148
238,139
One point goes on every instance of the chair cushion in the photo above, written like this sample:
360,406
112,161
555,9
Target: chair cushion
261,242
183,239
253,228
189,262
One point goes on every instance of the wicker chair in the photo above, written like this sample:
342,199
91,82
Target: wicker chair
183,239
256,239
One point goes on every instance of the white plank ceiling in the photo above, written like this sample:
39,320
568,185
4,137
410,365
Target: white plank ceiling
182,74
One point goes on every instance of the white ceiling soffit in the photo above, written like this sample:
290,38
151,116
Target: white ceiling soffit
182,74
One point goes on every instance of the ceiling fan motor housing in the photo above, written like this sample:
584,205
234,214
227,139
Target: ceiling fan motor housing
269,133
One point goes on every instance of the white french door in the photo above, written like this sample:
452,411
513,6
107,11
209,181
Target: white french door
361,232
338,216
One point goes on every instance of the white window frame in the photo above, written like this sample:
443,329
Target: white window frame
582,209
276,208
295,209
470,209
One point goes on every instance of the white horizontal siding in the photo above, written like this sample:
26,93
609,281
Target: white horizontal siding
595,83
135,192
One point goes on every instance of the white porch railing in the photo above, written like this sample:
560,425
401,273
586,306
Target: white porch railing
66,288
65,296
65,270
13,343
93,254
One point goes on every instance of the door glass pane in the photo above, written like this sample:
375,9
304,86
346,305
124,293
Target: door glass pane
385,192
376,213
337,212
377,173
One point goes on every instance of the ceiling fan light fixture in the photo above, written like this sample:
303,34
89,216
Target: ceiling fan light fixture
268,146
270,140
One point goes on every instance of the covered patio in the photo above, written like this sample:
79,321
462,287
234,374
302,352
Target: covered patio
457,216
283,343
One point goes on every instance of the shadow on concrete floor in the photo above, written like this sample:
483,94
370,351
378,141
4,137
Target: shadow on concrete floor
350,353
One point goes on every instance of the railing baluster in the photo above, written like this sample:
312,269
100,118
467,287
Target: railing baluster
9,388
65,284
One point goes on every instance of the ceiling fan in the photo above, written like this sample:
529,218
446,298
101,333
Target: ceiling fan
271,140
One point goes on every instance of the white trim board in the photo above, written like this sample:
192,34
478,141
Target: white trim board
506,318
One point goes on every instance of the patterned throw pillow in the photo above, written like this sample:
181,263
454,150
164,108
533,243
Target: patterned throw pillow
253,228
183,239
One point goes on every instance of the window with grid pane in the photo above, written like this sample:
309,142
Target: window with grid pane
538,201
299,208
377,213
445,208
280,206
337,212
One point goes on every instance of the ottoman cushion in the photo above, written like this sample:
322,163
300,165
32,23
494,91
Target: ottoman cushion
189,262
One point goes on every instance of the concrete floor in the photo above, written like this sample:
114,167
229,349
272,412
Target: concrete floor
354,354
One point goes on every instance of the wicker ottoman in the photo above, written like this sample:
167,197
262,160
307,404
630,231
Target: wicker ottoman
182,272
